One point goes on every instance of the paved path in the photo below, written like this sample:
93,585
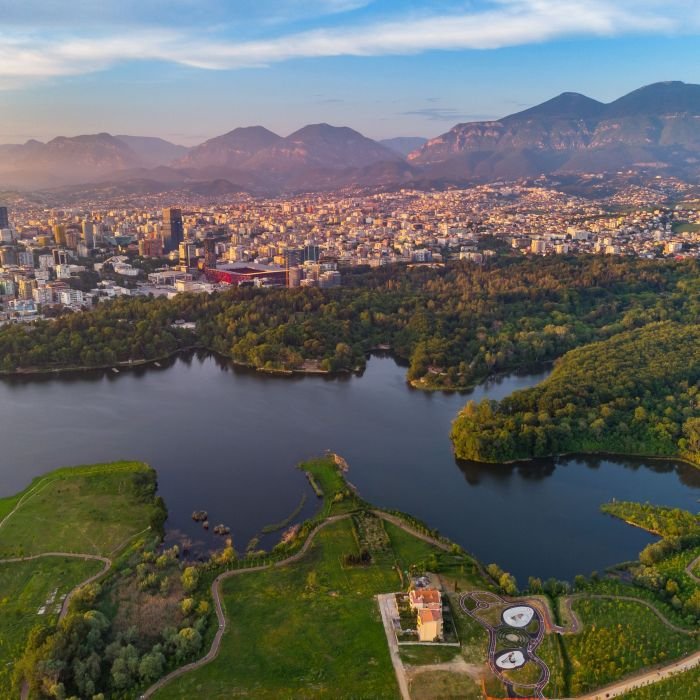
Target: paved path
690,567
486,599
387,607
216,592
216,595
649,677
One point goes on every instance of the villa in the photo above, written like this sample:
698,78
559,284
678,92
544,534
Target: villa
427,602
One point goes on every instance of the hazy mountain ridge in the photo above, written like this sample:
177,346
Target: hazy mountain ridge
657,126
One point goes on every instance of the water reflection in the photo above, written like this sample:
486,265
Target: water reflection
226,439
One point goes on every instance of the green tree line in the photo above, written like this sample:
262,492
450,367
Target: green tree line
454,326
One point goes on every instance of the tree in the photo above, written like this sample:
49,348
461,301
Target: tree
190,579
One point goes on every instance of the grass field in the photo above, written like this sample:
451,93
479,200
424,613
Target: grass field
443,685
337,496
25,588
310,630
89,510
684,685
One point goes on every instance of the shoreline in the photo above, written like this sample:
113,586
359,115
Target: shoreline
601,453
279,372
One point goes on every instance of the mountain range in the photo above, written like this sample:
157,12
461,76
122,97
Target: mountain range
656,127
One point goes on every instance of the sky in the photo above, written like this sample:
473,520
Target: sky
187,70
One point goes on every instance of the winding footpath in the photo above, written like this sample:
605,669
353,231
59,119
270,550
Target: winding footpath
690,567
216,595
216,589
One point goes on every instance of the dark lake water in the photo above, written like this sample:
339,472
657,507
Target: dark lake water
227,441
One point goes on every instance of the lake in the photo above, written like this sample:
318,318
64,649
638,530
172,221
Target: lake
227,441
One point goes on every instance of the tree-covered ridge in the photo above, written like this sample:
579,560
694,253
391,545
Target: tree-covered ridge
455,325
637,393
661,520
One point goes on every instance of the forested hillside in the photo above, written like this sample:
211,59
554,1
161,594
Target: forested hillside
637,392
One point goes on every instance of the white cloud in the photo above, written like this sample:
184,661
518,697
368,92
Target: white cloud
503,23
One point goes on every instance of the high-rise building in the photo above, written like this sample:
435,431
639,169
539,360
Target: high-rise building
312,253
172,232
89,233
59,234
293,257
4,218
60,257
186,254
209,252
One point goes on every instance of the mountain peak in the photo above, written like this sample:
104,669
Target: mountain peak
669,97
568,105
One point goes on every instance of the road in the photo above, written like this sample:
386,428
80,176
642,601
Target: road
619,688
387,607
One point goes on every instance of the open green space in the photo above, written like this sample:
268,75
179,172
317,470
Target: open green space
338,497
418,655
25,588
310,630
94,510
87,510
444,685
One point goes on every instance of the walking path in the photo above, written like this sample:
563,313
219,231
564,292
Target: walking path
576,623
216,593
484,600
387,601
649,677
690,567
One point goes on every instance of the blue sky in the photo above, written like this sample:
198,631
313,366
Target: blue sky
187,70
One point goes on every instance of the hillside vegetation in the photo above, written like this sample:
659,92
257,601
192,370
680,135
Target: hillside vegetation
637,393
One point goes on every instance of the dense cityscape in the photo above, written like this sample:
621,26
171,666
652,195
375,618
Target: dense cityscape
71,258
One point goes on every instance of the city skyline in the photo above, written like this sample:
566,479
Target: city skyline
384,68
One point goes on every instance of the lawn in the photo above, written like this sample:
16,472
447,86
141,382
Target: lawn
90,510
310,630
444,685
338,497
25,587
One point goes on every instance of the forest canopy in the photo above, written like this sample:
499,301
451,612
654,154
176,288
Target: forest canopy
635,393
454,325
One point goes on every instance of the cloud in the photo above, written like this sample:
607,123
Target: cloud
445,114
500,23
